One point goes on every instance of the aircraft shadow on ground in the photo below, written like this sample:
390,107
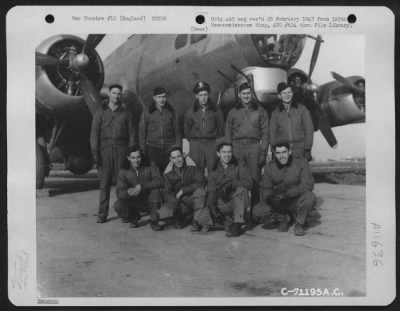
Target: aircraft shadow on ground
71,186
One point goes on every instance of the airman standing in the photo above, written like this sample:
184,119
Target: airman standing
291,122
202,125
247,125
159,129
111,133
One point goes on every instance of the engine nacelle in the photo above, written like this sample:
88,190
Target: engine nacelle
341,104
58,86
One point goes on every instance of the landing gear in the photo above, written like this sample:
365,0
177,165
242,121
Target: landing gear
42,166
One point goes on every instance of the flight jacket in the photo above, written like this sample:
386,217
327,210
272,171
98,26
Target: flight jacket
251,123
295,178
207,124
147,176
159,128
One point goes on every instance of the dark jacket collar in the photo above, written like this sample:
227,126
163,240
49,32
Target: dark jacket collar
104,106
234,162
253,105
153,107
210,105
292,105
289,163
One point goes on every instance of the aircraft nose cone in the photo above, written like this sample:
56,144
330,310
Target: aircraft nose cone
80,61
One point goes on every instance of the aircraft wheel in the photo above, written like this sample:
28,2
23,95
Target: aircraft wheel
40,167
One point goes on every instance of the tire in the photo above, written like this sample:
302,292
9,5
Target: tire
40,167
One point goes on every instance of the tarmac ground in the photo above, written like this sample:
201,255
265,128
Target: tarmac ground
76,257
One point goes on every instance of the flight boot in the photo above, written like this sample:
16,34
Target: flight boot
299,230
234,230
179,220
269,222
101,220
196,227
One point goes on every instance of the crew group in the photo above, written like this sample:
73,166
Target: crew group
233,152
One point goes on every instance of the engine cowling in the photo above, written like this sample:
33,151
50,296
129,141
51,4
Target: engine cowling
342,105
58,87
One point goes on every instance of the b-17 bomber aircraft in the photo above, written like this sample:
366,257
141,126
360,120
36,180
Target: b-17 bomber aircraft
72,80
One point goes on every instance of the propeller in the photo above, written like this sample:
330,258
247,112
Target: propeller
78,64
314,56
91,42
47,60
90,93
347,83
321,119
326,130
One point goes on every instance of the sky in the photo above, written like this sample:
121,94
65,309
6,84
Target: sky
344,54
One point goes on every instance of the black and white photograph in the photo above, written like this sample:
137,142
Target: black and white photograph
199,165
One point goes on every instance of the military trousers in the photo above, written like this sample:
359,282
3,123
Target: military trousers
203,153
190,206
112,158
236,206
249,154
148,201
298,207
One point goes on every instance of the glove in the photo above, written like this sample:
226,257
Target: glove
307,155
262,159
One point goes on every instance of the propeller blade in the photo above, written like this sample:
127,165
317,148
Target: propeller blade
47,60
314,56
91,42
346,83
90,94
326,131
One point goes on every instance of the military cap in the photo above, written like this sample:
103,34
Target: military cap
173,148
159,90
222,141
244,86
115,85
294,73
282,86
201,86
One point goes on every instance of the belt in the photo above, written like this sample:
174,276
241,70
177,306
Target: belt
246,141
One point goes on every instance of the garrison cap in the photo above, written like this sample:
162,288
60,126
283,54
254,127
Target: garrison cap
244,86
115,86
222,141
174,148
201,86
282,86
159,90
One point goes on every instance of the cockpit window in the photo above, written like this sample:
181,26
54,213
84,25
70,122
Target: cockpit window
181,41
279,50
197,38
